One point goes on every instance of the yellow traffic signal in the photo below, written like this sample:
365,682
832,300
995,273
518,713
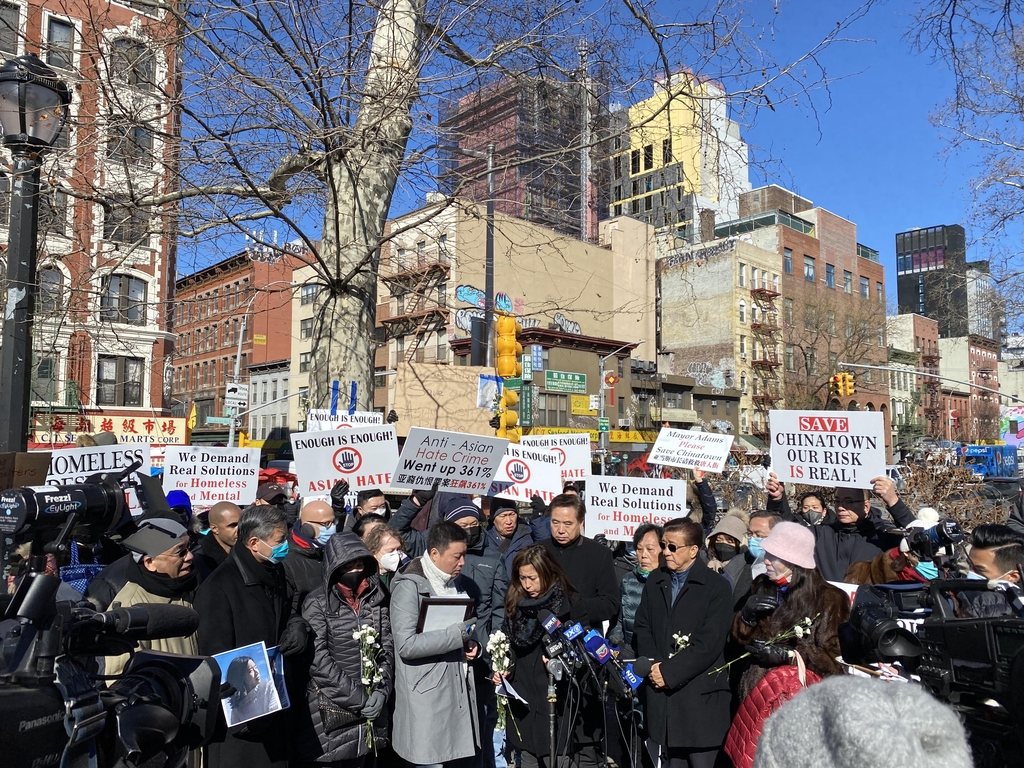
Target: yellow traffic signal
507,419
508,350
836,385
849,387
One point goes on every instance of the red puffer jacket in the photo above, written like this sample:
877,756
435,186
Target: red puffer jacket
771,692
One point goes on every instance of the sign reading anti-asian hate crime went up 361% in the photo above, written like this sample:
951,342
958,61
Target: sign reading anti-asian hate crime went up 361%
458,462
828,448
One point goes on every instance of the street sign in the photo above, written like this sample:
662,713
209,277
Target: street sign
527,366
595,402
562,381
236,395
514,383
526,406
259,338
604,425
224,421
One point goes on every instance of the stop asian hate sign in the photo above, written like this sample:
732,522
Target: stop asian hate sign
527,472
364,457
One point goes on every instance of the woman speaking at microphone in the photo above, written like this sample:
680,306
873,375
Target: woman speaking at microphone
537,586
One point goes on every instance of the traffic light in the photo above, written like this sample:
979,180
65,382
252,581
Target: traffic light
836,385
849,387
507,418
508,351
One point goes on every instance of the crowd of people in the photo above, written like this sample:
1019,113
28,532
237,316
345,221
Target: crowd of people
712,607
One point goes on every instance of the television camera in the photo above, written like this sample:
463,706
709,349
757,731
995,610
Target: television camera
54,708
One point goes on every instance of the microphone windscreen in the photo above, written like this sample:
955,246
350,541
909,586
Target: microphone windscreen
167,621
642,667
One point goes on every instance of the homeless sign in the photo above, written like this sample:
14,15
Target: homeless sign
458,462
691,450
209,475
828,448
573,453
526,472
364,457
617,505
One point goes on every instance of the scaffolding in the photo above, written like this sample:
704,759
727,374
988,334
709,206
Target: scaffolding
767,384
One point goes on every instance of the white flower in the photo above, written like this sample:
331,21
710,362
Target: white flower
366,681
356,636
798,630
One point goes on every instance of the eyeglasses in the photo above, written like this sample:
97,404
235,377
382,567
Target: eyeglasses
675,547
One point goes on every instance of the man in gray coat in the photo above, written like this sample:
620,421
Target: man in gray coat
436,719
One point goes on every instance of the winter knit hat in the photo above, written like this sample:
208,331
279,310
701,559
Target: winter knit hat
791,542
852,722
459,507
731,525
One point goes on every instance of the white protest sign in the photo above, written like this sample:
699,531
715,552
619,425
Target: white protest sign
364,457
209,475
828,448
689,449
459,462
526,472
321,419
617,505
70,466
573,452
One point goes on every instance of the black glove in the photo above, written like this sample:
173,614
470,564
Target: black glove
539,507
769,655
756,607
338,494
374,705
293,639
422,497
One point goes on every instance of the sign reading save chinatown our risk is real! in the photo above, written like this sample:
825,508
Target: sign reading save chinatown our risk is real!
828,448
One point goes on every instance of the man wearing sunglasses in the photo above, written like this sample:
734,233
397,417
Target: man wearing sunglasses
682,625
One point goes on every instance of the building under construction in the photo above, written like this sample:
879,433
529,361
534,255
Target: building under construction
548,162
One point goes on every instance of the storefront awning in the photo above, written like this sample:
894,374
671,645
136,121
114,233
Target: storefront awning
751,444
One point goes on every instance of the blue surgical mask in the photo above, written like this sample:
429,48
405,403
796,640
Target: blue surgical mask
927,569
326,531
278,553
754,546
972,576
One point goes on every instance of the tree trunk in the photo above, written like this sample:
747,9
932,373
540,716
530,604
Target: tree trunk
361,179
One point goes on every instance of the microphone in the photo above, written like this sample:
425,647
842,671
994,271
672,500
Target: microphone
555,668
558,642
642,667
597,647
149,621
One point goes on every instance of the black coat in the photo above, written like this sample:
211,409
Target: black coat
244,602
108,582
208,556
591,573
302,567
694,712
336,668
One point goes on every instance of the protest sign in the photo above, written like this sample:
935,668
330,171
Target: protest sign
364,457
526,472
573,452
318,420
18,470
689,449
209,475
828,448
459,462
74,465
617,505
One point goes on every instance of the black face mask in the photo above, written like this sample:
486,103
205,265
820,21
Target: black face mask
352,579
473,536
725,552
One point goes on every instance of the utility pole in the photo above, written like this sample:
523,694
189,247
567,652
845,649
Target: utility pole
600,374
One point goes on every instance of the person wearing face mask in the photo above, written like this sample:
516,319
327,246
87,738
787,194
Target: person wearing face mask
647,558
306,540
387,546
248,600
996,552
348,597
727,552
760,525
790,591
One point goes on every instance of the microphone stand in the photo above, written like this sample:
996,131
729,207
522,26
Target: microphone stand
552,716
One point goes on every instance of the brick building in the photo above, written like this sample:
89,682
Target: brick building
920,335
101,335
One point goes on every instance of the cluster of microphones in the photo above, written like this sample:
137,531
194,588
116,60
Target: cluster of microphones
571,648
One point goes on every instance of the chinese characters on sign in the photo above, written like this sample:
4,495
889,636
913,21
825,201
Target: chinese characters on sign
561,381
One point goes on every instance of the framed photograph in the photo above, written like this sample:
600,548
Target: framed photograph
442,612
249,672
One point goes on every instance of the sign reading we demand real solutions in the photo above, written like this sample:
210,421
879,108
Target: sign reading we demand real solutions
617,505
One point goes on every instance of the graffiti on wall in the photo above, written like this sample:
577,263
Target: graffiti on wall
464,320
567,325
705,374
471,295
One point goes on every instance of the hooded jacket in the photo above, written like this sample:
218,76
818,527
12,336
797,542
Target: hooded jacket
337,667
302,567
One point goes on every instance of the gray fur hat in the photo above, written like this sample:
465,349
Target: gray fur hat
852,722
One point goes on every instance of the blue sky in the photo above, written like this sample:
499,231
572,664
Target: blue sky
877,160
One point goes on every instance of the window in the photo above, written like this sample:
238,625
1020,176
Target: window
51,283
743,345
617,193
787,261
119,381
617,167
60,43
10,25
787,311
849,327
308,294
830,276
743,274
881,335
552,410
304,361
125,223
123,300
811,360
129,144
306,328
648,202
666,151
648,157
879,292
847,281
131,62
743,420
634,162
810,317
831,323
809,269
790,358
44,379
833,359
743,312
865,287
53,211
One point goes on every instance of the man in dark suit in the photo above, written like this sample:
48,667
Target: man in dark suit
681,626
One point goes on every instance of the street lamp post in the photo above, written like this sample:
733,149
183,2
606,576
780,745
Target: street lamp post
600,385
238,350
33,110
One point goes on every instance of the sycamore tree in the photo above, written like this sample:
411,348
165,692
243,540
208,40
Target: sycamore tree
313,120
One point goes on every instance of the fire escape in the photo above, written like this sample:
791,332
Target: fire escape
420,287
767,384
932,401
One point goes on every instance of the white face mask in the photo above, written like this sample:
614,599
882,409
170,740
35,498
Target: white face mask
391,560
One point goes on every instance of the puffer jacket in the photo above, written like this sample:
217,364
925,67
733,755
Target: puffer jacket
631,589
337,667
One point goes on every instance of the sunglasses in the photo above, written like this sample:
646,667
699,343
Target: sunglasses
675,547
